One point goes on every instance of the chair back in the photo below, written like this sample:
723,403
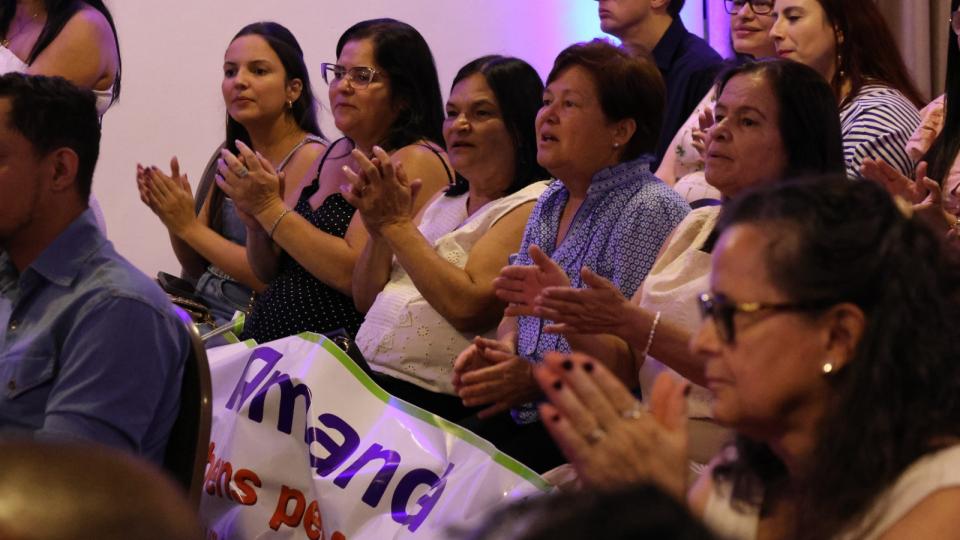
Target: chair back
186,454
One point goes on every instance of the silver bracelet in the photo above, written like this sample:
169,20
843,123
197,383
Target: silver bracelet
653,331
276,222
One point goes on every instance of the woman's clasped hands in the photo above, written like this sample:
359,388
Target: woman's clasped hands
251,181
379,190
610,438
168,196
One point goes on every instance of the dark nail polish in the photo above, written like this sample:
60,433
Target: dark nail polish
557,385
686,391
588,367
567,364
555,418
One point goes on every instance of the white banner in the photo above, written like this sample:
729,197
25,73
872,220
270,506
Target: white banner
305,445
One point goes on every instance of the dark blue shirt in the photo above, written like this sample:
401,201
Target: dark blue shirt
90,347
689,66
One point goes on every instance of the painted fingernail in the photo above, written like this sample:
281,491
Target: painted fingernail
377,148
588,367
558,385
567,364
687,390
346,169
555,418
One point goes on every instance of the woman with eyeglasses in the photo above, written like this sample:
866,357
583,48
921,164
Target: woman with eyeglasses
271,109
682,165
936,146
850,45
830,344
385,99
781,110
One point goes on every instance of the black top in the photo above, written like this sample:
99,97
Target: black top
689,66
296,301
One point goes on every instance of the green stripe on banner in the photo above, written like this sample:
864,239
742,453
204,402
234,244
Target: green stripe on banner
499,457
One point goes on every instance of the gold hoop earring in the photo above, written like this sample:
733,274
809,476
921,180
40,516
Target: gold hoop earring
289,103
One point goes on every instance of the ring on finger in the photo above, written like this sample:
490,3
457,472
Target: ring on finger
243,172
636,410
595,436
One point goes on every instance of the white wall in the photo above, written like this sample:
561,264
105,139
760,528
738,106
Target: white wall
173,53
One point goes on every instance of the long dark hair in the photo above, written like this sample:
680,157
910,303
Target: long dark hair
519,93
896,399
809,117
303,110
414,86
943,152
58,13
868,52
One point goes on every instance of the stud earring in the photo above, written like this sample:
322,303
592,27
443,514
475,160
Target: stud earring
827,368
616,145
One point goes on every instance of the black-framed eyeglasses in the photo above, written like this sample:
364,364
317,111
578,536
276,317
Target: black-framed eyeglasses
358,76
760,7
722,310
955,22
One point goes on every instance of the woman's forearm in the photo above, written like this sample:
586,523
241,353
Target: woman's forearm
222,253
371,272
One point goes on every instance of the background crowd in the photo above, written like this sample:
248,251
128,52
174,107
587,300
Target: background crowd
734,280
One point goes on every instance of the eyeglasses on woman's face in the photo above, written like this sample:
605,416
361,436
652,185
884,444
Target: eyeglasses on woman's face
760,7
722,311
358,76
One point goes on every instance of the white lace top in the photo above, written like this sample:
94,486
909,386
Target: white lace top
403,336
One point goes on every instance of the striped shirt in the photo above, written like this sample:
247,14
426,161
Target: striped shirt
877,124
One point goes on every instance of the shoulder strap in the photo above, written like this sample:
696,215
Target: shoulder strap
443,162
309,139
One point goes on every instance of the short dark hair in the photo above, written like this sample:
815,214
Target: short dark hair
52,113
401,51
809,118
519,93
641,511
849,242
674,7
628,85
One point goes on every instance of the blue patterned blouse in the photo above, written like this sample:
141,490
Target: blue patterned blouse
617,232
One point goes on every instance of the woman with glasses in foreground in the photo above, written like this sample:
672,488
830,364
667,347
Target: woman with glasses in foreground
831,345
385,99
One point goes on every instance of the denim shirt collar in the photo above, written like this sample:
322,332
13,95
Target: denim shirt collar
63,259
666,49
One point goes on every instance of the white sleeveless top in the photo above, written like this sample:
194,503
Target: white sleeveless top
402,335
10,63
680,274
924,477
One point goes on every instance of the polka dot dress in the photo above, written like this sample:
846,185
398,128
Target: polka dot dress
296,301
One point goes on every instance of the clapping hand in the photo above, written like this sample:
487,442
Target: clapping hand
520,285
610,438
380,190
169,196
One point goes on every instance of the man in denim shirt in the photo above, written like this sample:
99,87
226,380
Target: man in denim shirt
90,348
